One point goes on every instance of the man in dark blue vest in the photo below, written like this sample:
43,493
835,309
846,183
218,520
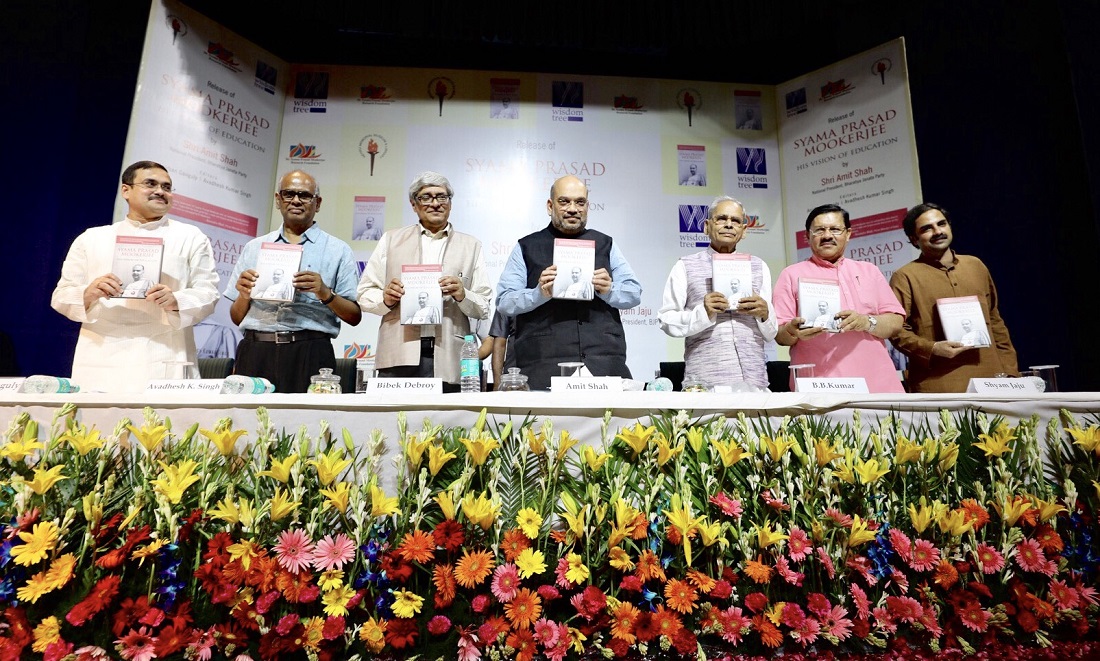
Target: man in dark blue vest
550,330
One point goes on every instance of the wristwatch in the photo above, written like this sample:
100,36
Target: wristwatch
873,321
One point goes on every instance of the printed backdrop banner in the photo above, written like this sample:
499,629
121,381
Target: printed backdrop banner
208,106
847,138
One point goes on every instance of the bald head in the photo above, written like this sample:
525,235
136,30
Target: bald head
568,205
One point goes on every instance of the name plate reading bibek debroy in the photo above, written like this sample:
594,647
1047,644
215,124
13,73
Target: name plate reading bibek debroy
586,384
406,385
849,385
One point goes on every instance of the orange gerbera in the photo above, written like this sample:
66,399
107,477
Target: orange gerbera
975,512
292,584
770,634
264,570
649,567
473,568
680,596
514,543
758,571
523,609
639,527
523,642
443,576
418,546
702,581
946,575
666,622
622,622
1049,540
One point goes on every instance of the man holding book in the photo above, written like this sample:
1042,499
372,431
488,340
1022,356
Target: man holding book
723,339
555,330
937,364
140,285
288,341
431,349
126,342
869,312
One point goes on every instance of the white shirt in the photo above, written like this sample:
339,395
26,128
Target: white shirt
676,321
126,342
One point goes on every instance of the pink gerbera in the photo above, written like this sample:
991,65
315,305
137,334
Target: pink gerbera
546,632
1087,595
734,624
974,618
772,501
842,520
729,506
505,582
836,623
925,555
991,559
906,609
333,552
807,632
783,568
884,621
859,597
137,645
798,544
902,545
1063,595
294,551
1029,556
826,561
560,571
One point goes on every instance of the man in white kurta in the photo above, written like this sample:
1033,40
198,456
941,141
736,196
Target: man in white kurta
124,343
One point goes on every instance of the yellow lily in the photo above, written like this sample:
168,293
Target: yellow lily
846,471
337,497
1011,510
1047,510
765,536
620,559
949,456
870,471
595,461
225,440
281,505
776,447
576,517
998,443
446,504
1087,439
637,438
566,443
922,517
244,551
18,450
907,451
955,522
679,516
479,511
730,453
624,522
414,450
664,451
82,440
537,442
859,534
479,448
380,503
149,437
824,452
280,470
438,458
710,532
174,480
44,479
696,439
329,466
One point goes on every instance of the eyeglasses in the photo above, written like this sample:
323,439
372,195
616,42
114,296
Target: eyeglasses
288,195
728,220
441,198
831,231
564,203
153,184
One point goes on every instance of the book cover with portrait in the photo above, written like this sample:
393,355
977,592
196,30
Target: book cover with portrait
963,321
576,262
818,303
731,276
423,300
276,263
137,264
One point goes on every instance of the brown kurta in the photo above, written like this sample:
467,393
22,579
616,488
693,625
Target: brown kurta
917,285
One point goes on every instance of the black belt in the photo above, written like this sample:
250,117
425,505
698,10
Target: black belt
427,346
286,337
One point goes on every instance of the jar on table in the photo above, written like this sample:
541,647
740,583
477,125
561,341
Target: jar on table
513,381
325,382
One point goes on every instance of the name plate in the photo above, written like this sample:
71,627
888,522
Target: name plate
586,383
185,385
406,385
1004,386
11,383
854,385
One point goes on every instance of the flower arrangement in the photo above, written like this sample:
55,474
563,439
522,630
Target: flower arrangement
670,538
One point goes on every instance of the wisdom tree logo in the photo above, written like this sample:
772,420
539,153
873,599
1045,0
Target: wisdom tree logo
750,160
692,217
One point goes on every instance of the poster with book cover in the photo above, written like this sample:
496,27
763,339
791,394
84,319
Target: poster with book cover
731,276
277,263
963,321
576,261
137,264
423,300
818,303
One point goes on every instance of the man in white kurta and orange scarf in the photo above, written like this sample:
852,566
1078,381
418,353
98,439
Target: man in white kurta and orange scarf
124,343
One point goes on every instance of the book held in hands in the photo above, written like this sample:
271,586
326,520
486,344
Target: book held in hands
277,263
576,262
422,302
963,321
137,264
818,303
731,276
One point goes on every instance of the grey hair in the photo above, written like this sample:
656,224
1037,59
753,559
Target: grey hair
428,178
316,185
720,199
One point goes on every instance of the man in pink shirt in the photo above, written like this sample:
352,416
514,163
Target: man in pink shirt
870,313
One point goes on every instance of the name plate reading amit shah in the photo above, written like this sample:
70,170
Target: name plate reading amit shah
406,385
1004,386
185,385
586,384
851,385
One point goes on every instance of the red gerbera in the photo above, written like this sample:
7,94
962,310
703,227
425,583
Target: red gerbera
974,618
1049,540
906,609
644,627
401,633
756,602
99,598
449,534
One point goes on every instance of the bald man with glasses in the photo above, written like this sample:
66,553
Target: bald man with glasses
287,342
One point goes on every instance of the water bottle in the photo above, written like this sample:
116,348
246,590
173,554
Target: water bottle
470,365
